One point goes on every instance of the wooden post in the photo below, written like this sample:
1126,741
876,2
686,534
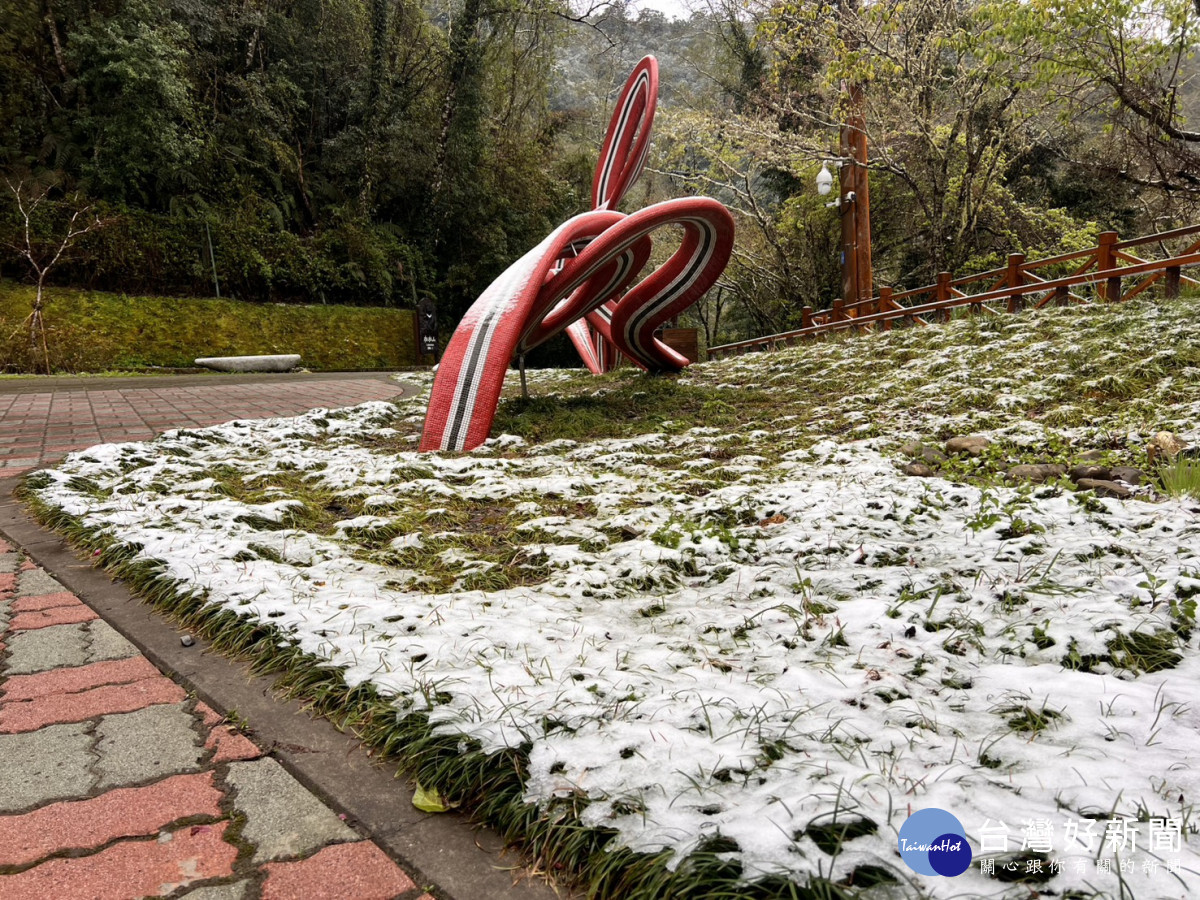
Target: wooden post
1015,278
1113,290
885,305
839,310
1172,283
1106,259
1062,295
943,294
857,278
806,317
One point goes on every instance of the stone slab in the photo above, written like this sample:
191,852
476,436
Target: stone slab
282,818
266,363
235,891
140,746
35,582
51,764
105,642
46,648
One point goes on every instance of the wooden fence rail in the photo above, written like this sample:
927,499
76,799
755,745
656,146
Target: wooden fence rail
1013,287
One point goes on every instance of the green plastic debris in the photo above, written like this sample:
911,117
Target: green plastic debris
429,801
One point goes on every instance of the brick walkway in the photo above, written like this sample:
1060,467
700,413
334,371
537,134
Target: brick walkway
115,783
41,420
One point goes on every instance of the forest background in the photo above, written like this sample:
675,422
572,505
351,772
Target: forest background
375,152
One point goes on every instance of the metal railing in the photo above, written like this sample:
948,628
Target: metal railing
1016,286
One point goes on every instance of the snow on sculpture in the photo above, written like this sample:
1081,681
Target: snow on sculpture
579,280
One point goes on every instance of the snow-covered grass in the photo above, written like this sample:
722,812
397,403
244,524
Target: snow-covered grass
704,636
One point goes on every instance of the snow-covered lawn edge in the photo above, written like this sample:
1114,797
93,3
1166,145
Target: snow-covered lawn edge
717,656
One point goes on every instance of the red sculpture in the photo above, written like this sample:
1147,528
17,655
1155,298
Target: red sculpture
578,279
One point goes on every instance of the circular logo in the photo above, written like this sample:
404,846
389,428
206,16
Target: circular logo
933,842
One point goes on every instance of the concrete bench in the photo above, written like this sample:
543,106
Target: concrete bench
281,363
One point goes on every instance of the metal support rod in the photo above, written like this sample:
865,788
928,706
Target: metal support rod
212,258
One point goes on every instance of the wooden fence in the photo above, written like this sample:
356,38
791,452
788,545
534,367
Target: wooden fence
1113,273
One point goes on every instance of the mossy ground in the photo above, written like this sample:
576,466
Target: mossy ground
89,331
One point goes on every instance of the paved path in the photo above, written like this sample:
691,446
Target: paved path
43,419
121,772
115,782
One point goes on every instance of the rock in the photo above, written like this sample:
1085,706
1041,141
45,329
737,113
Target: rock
933,456
918,469
281,363
1164,447
187,640
1105,488
916,450
1127,474
971,445
1090,456
1037,473
1096,473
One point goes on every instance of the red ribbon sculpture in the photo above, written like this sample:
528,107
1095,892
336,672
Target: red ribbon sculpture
578,279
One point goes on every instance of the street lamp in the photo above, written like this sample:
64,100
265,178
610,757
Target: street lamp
825,183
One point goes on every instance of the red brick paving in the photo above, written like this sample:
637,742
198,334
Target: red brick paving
69,681
45,601
360,870
44,618
38,428
230,746
88,824
129,868
67,416
30,715
207,714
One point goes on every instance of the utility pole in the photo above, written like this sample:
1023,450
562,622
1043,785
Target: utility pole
855,205
855,199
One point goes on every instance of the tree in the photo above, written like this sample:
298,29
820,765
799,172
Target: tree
1118,74
43,252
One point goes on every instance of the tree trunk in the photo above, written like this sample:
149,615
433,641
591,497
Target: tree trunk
52,27
37,328
463,65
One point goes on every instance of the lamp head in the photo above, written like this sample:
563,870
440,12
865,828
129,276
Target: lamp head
824,179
